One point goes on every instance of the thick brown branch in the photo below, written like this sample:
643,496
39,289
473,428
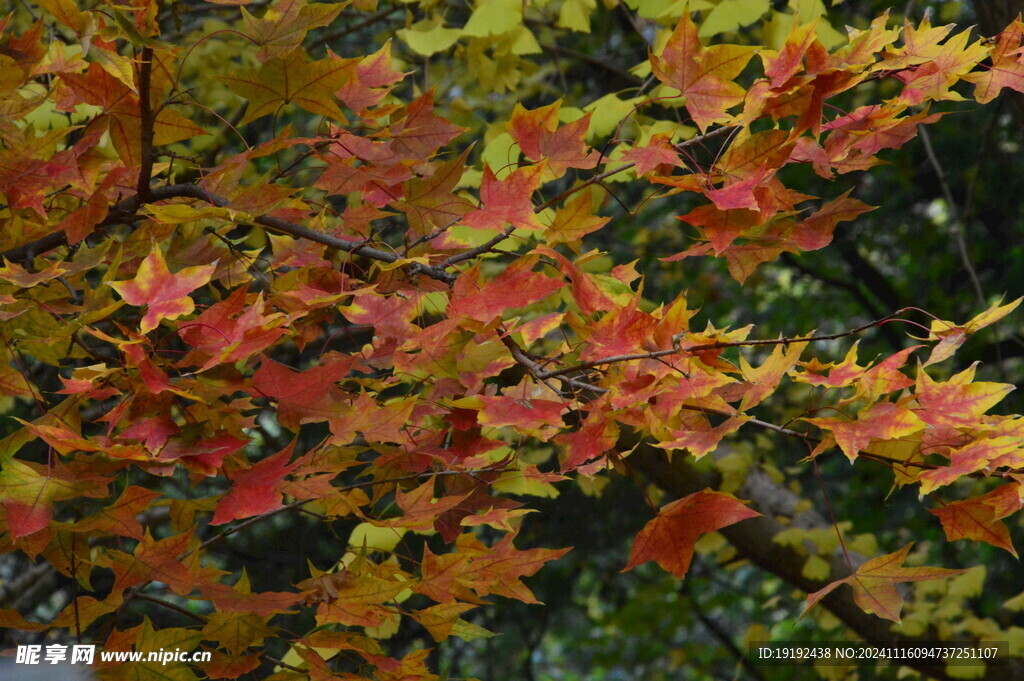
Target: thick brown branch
754,539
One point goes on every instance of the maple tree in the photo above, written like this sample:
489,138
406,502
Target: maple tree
253,289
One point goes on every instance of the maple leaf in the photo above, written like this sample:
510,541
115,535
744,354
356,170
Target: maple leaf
586,291
1007,69
885,377
420,132
420,508
236,631
158,560
508,200
718,227
933,79
517,286
921,44
430,202
164,294
574,221
840,374
222,666
765,378
285,24
951,336
241,598
981,518
303,396
255,490
476,491
520,412
292,78
882,420
440,619
622,331
815,231
668,539
29,492
350,598
120,518
232,330
500,569
977,455
753,155
597,435
539,136
699,436
658,151
957,400
780,66
704,76
874,584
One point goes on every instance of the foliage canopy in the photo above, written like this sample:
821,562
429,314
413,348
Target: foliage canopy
348,274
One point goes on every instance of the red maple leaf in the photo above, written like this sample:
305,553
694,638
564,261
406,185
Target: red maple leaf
303,396
658,151
231,330
256,490
668,539
517,286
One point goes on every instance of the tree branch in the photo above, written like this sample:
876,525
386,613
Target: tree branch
955,219
584,366
754,539
592,180
128,208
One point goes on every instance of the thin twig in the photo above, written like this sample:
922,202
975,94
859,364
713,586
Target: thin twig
955,219
139,596
298,504
594,179
704,347
358,26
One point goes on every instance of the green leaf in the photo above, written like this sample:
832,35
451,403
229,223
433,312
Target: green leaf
429,36
494,17
731,15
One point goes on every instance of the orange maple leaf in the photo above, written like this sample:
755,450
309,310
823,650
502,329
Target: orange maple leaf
874,584
1007,68
883,421
540,138
704,76
981,518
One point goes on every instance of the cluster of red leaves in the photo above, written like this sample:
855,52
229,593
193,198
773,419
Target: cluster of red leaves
106,269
